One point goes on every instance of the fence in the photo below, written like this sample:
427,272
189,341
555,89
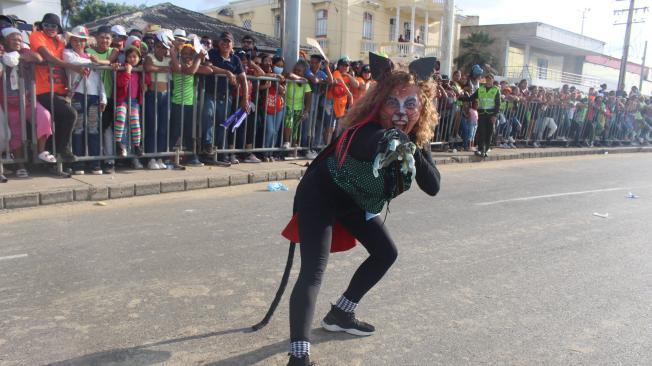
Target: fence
531,123
170,123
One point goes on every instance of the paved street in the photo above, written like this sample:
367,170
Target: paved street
507,266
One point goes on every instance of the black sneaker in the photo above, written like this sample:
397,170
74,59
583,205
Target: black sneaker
304,361
338,320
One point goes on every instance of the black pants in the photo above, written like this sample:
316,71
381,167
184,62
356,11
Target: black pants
318,209
485,132
64,116
181,134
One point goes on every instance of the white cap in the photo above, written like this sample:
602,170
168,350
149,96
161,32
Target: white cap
164,39
9,30
180,33
79,32
119,30
131,40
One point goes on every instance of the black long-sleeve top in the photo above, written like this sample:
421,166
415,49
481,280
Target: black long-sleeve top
364,148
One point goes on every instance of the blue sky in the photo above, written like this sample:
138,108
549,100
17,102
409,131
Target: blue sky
566,14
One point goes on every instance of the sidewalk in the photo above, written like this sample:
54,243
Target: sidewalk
47,189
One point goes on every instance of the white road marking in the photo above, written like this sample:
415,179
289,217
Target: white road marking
552,196
13,257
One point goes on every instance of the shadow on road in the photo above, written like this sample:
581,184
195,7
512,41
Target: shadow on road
319,335
139,355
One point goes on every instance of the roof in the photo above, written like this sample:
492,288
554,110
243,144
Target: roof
543,36
171,17
614,63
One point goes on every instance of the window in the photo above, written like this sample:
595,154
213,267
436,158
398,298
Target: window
321,25
392,29
246,24
542,68
367,26
277,26
422,34
406,31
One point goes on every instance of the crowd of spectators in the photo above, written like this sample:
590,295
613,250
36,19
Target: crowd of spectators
142,96
134,95
537,116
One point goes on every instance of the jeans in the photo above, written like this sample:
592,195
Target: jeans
155,127
467,131
543,123
273,124
215,110
181,126
88,120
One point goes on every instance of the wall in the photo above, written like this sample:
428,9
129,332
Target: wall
30,11
610,76
345,22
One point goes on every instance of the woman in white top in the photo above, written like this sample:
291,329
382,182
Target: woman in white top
156,101
88,98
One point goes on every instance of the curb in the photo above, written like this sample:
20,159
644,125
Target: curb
106,192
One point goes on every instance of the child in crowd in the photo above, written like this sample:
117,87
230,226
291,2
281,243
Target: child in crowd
88,105
298,96
128,102
11,68
274,102
157,63
103,54
183,95
469,123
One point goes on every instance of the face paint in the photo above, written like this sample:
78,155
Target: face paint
401,109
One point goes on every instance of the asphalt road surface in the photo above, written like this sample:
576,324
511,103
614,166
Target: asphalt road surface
508,265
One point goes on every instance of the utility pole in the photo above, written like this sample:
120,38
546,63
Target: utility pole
291,29
586,10
628,32
281,8
640,81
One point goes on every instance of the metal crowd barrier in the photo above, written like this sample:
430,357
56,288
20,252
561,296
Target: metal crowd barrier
207,134
262,131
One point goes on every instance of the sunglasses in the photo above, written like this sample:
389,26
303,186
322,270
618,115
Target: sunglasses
50,26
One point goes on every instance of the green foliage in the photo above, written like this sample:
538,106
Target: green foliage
474,51
84,11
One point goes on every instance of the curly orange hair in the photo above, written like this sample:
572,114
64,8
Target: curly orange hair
367,108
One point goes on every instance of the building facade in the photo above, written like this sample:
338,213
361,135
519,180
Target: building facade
402,29
30,10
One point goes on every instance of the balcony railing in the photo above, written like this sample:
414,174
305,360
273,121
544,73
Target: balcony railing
368,46
541,73
409,49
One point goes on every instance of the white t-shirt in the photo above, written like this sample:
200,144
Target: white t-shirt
94,85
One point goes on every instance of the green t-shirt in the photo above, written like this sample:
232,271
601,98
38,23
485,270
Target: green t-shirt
183,88
107,75
294,95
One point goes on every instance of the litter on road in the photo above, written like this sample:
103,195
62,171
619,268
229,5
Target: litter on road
604,215
631,195
276,186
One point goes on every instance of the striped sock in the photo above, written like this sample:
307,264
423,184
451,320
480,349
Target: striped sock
346,305
300,349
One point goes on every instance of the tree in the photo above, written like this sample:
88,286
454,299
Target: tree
85,11
474,51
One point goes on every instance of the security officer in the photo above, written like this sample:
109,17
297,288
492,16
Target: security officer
488,97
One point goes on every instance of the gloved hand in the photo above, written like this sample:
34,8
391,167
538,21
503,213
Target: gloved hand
395,146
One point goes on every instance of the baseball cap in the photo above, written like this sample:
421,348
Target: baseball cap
180,33
343,61
132,41
79,32
227,35
119,30
103,29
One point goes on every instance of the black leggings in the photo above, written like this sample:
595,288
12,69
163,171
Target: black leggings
318,209
64,119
